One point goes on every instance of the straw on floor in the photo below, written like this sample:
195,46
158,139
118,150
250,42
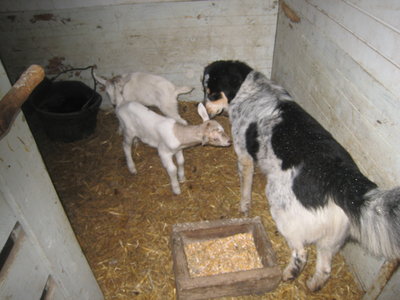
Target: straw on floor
123,222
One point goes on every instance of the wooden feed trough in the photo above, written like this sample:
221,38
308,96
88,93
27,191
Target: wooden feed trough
257,280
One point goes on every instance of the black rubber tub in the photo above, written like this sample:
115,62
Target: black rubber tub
67,109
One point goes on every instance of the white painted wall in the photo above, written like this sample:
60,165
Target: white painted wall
341,62
48,247
175,39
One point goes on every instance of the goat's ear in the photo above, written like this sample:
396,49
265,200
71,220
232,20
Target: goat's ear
201,110
99,79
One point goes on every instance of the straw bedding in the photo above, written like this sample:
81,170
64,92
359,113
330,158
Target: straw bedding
223,255
123,222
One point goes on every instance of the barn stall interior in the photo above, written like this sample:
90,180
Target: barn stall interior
337,59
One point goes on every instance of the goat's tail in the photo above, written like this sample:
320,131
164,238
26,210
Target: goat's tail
378,227
99,79
183,90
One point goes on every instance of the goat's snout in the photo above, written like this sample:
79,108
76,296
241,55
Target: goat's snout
226,140
216,135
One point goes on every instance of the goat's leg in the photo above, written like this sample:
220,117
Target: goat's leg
135,142
297,262
120,130
127,146
166,159
246,170
180,160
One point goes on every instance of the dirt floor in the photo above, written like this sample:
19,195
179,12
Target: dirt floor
123,222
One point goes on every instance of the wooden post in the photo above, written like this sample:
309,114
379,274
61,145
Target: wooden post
11,103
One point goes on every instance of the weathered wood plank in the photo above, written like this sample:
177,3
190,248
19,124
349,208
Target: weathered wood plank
334,88
26,275
387,12
377,35
173,39
345,83
7,221
27,189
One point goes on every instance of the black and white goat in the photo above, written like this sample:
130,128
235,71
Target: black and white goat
316,192
167,135
147,89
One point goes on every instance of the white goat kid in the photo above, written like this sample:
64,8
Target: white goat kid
168,136
147,89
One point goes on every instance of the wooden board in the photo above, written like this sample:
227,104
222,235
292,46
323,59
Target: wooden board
254,281
338,63
174,39
28,202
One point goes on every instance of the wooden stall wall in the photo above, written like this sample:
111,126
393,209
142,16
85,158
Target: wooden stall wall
175,39
340,60
40,256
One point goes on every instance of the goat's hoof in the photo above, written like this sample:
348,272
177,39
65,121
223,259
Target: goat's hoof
176,191
244,211
288,275
133,171
313,284
183,179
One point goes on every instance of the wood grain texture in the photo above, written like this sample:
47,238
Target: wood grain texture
173,39
12,101
339,64
330,70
